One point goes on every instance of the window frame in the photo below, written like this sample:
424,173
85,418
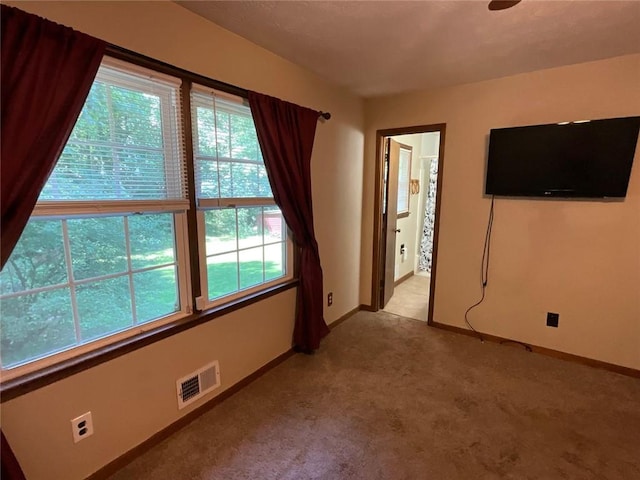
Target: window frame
405,192
64,210
203,302
183,291
25,378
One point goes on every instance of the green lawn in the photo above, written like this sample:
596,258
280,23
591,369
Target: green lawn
224,279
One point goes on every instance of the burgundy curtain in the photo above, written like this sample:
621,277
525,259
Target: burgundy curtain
47,70
285,133
10,469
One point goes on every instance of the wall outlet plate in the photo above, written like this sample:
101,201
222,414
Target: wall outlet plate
82,427
553,319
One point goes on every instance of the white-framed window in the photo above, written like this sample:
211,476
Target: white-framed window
404,179
243,239
104,255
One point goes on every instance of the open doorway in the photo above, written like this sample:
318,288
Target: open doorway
408,182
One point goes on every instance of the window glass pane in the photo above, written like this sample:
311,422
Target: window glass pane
244,142
222,274
206,132
226,179
251,267
245,180
124,145
274,261
274,225
97,246
224,144
136,117
38,259
207,175
104,307
404,175
240,172
106,173
138,175
264,187
236,263
34,325
249,227
94,122
151,239
220,224
156,293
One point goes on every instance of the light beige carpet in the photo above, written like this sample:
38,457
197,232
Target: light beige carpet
390,398
411,298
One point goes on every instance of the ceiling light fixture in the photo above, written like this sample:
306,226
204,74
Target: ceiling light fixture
502,4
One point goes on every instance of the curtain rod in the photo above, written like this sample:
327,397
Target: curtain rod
148,62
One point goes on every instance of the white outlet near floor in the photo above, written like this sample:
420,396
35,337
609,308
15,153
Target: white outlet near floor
82,427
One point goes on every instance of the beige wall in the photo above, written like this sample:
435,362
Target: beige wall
133,397
578,258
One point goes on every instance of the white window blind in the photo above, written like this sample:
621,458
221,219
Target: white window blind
228,160
126,144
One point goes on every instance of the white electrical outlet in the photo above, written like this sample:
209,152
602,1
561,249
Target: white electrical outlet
82,427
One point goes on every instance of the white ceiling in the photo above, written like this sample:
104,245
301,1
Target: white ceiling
384,47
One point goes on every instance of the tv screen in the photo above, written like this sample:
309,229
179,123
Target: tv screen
571,159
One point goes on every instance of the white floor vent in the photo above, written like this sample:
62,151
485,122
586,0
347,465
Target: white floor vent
197,384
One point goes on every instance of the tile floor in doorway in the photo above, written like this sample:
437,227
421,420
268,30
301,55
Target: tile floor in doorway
411,298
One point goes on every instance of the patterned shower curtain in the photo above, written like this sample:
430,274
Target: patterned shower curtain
426,244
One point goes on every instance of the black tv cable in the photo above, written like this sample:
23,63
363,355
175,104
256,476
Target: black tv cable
484,269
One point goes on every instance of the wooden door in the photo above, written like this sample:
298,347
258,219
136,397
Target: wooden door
390,218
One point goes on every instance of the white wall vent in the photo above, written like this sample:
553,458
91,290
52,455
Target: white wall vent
198,384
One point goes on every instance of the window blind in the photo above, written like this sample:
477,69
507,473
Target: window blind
229,163
126,144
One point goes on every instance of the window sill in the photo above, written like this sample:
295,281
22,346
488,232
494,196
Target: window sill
29,382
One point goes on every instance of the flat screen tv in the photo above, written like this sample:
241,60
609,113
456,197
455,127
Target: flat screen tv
585,159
